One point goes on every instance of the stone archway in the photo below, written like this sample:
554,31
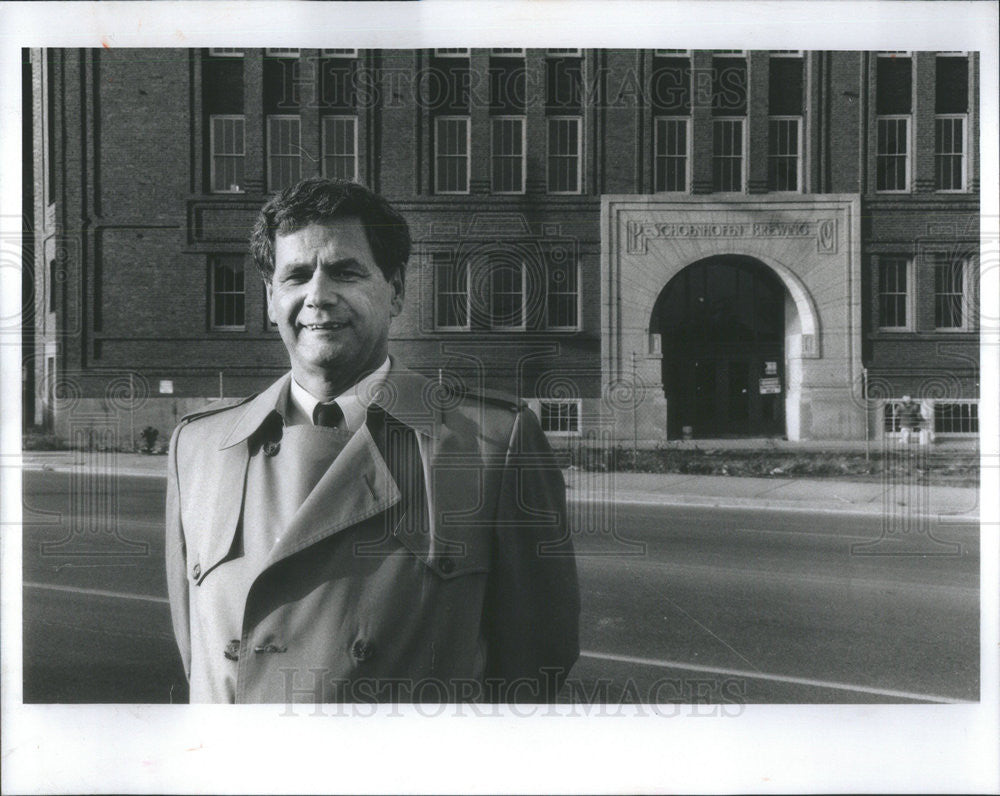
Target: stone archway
722,323
811,244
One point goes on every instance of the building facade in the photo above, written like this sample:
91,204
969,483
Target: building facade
643,244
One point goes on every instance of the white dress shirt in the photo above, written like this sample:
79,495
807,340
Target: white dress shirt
353,402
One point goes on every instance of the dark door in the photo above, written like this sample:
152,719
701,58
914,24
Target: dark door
722,326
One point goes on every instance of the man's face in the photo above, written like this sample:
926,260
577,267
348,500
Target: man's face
331,303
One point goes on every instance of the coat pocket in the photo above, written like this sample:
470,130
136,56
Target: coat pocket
450,554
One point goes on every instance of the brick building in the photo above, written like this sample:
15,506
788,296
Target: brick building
640,243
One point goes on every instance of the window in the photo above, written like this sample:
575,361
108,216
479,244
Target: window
340,153
563,86
727,155
343,53
949,153
451,52
950,293
562,297
560,417
564,155
672,53
671,154
226,52
892,154
784,154
893,105
951,104
893,293
228,297
507,294
729,86
228,145
892,417
785,94
284,152
508,154
451,293
670,86
283,52
451,155
508,86
956,417
508,51
570,51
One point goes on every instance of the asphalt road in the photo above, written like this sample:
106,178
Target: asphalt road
680,604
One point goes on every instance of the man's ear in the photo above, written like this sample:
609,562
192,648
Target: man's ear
398,285
270,304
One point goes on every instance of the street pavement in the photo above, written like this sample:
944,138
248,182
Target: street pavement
693,589
806,494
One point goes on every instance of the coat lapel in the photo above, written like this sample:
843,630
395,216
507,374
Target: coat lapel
223,486
455,540
357,486
224,493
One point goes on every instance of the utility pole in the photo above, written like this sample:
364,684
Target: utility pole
131,411
635,421
864,395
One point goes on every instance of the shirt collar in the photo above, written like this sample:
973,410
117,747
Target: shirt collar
409,397
353,402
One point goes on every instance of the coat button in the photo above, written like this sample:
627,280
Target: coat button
196,571
446,565
362,650
271,448
232,651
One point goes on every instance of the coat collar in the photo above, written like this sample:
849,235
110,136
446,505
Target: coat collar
273,400
410,398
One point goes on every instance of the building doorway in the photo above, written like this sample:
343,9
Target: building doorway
722,327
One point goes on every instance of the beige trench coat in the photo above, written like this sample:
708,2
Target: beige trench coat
457,586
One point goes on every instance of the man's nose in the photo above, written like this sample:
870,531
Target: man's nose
320,290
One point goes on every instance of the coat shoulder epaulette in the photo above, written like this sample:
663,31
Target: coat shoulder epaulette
494,398
214,410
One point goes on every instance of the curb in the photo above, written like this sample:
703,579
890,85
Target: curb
627,498
753,504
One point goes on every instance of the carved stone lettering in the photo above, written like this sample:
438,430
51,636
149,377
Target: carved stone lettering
639,233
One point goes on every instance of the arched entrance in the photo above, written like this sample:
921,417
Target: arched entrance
721,322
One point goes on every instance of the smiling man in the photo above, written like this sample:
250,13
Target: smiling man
356,532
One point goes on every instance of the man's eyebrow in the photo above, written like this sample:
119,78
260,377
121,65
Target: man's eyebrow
344,262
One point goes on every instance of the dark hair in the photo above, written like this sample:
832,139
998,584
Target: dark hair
319,199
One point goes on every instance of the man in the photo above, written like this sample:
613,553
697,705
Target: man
357,532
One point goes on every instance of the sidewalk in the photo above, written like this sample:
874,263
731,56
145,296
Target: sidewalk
817,495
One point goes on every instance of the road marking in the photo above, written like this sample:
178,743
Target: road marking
149,598
777,678
603,656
